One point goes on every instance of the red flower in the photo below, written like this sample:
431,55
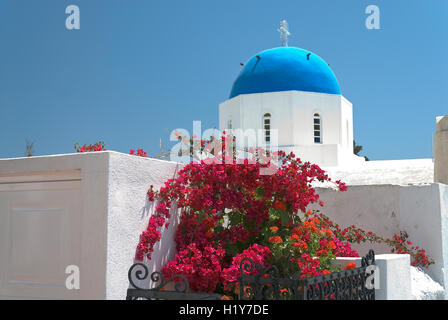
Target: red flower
279,205
350,265
275,239
209,222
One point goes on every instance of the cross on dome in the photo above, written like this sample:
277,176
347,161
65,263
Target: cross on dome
284,32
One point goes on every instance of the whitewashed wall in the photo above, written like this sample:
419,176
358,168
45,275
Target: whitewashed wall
79,209
421,210
89,210
128,214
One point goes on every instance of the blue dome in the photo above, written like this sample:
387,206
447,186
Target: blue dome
284,69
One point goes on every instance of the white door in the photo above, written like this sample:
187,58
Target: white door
39,237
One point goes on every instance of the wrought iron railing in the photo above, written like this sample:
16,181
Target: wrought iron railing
355,284
174,288
260,283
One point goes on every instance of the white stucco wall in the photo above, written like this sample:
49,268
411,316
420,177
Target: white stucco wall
94,225
347,124
394,172
395,277
416,207
128,213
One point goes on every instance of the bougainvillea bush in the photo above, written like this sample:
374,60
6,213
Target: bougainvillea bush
230,211
100,146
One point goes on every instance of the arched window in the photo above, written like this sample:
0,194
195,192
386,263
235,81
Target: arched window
317,128
267,127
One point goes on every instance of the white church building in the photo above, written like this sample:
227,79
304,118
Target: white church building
292,97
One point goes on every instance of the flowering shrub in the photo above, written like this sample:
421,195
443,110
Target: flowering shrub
99,146
230,211
234,208
140,153
399,242
258,254
202,268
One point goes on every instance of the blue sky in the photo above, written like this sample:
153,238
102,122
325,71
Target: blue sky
138,69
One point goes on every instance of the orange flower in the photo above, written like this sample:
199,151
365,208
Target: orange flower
312,226
328,232
294,237
274,229
326,271
295,230
322,252
279,205
226,297
350,265
300,245
331,245
315,220
275,239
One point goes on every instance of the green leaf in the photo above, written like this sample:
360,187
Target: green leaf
235,218
274,213
284,217
259,193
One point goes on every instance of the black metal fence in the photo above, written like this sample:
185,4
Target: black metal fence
174,288
258,283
